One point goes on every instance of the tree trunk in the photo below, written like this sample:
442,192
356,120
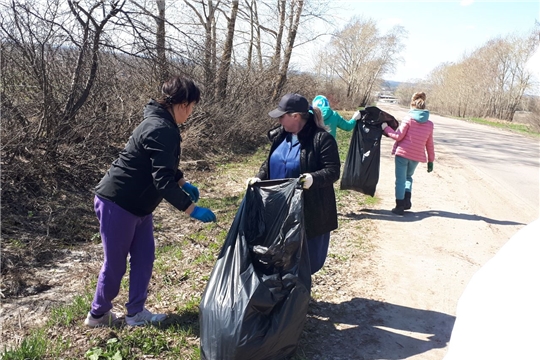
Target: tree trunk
163,71
258,37
223,73
274,65
207,20
294,21
209,46
252,25
79,92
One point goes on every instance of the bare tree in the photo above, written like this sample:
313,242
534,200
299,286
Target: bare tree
39,37
489,82
282,13
360,56
384,60
206,13
225,64
296,7
255,35
351,48
160,41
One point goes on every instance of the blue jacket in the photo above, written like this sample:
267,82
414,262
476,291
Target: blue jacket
319,156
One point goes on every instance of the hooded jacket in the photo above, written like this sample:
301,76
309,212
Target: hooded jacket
318,156
414,137
146,171
333,120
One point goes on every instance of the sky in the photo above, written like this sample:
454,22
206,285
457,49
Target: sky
443,31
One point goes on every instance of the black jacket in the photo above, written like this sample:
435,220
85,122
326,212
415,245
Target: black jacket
146,171
319,156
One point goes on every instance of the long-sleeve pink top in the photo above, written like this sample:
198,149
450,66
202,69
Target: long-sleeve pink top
414,137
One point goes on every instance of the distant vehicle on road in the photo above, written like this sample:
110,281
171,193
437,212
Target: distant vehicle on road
388,99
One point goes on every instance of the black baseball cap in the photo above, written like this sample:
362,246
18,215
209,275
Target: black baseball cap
290,103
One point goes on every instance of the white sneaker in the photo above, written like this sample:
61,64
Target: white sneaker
144,317
108,319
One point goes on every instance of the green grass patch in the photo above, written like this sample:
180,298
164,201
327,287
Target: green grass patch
369,201
16,243
69,314
172,251
205,258
225,208
32,347
178,340
255,160
343,139
520,128
139,342
190,307
339,257
36,346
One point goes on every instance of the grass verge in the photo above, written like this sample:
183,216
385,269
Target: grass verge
519,128
185,254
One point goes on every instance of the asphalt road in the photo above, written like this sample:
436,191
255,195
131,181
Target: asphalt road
511,160
402,298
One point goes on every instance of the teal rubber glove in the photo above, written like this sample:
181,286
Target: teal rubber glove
429,167
203,214
192,191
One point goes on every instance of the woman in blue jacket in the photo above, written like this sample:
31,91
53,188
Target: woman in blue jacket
302,147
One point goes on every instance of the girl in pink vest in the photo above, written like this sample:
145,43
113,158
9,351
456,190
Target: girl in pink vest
414,138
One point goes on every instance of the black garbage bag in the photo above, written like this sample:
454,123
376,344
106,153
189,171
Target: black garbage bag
375,116
256,300
362,165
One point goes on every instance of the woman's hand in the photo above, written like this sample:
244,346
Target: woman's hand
200,213
251,181
306,180
191,190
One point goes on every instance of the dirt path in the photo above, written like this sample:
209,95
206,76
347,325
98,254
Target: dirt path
399,301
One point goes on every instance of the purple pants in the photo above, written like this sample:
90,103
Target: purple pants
123,234
318,250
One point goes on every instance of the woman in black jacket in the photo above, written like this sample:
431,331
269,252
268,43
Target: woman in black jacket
145,173
302,147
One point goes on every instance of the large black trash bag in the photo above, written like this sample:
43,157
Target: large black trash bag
362,165
375,116
256,300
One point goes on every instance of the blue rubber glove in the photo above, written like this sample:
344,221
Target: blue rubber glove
203,214
429,167
192,191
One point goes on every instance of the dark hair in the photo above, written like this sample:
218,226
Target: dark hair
179,90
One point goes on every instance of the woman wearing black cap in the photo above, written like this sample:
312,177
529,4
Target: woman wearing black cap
302,147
